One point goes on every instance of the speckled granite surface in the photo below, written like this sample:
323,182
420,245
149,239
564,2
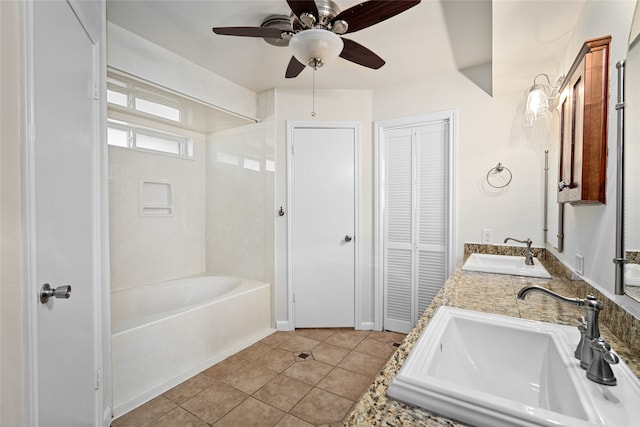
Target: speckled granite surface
495,293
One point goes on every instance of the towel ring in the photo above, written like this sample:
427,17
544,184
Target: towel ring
498,169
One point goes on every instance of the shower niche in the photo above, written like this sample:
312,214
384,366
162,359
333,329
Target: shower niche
155,198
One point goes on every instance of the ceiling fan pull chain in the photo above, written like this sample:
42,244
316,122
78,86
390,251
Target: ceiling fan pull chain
313,94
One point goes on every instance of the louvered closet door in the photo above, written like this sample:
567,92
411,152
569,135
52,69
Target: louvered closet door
432,213
398,230
414,221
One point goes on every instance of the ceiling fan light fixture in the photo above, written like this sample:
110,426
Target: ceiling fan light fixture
316,47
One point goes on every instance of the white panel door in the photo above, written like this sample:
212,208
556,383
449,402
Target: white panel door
323,212
64,221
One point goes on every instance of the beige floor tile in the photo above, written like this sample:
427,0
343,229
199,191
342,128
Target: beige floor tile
274,339
283,392
345,383
321,407
253,351
295,343
362,363
145,414
214,402
250,378
375,348
276,359
186,390
345,339
225,367
179,417
251,413
309,371
329,354
320,334
387,336
291,421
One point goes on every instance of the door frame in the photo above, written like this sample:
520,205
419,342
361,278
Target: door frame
379,128
291,127
96,31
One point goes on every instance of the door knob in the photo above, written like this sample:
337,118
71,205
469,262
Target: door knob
47,292
348,238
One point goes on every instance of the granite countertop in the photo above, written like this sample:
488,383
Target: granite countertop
494,293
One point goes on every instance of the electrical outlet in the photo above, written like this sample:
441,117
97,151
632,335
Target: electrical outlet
579,264
487,235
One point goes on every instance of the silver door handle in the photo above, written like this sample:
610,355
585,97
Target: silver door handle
348,238
47,292
562,185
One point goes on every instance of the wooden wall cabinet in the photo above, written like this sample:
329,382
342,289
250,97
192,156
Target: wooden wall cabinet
583,125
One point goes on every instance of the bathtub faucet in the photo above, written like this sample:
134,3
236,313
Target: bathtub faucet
594,353
528,254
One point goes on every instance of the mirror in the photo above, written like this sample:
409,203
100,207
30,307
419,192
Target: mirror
631,157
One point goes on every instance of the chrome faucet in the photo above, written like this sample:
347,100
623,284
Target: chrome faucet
594,353
528,254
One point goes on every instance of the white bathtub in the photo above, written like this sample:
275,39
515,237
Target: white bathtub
164,333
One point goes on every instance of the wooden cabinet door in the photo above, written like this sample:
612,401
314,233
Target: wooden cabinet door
583,126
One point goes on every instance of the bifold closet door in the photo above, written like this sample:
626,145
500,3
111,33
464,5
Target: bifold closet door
415,191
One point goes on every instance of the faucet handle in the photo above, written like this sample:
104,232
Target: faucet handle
582,327
599,369
603,347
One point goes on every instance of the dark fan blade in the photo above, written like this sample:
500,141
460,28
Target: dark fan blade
371,12
294,68
355,52
268,33
298,7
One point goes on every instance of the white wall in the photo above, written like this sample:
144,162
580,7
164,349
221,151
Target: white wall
11,278
590,230
489,131
152,249
330,105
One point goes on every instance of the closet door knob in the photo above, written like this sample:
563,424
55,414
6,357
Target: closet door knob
348,238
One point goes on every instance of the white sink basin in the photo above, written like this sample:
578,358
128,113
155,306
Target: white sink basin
505,264
491,370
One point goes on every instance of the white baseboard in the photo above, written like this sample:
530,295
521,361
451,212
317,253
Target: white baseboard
365,326
107,417
283,325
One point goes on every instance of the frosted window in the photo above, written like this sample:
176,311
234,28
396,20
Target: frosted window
117,98
149,142
157,109
117,137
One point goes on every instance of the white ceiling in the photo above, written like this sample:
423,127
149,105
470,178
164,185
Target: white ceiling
528,37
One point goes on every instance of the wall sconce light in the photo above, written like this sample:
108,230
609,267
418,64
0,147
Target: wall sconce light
540,99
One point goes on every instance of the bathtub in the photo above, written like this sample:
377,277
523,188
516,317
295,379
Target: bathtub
164,333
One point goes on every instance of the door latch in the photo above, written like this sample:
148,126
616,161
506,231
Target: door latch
47,292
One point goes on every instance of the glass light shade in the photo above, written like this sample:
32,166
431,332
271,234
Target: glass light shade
316,47
537,102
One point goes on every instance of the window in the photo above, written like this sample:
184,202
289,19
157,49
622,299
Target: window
144,117
129,136
140,98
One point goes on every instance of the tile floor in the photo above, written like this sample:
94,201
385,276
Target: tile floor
308,377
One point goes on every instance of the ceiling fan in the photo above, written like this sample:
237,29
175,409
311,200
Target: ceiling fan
314,31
